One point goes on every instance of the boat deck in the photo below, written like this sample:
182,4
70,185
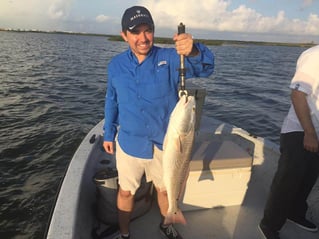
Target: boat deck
233,222
73,217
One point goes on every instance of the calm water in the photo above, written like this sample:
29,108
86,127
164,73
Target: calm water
52,90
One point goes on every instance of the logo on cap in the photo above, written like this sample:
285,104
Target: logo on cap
135,16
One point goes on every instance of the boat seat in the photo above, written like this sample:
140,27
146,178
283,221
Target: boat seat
220,170
211,153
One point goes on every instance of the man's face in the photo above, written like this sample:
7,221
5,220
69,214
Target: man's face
140,40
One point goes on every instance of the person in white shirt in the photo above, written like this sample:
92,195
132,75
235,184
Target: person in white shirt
298,166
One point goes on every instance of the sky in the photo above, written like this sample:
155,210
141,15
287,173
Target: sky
248,20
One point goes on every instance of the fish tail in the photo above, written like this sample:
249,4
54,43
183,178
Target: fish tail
175,217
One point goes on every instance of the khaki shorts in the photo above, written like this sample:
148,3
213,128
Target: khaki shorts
131,169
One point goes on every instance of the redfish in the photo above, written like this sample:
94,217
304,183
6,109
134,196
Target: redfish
177,149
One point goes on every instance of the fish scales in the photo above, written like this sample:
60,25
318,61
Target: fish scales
177,149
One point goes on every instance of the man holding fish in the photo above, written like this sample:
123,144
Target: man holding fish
142,92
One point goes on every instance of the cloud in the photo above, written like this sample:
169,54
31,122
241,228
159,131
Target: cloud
59,8
102,18
15,7
307,3
216,15
312,24
207,17
36,8
33,13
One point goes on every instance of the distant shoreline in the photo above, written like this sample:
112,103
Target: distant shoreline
166,40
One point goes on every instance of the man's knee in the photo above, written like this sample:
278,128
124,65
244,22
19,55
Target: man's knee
125,201
125,194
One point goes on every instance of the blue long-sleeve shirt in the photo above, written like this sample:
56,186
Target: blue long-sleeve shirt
141,96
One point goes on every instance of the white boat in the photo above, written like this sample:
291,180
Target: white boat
230,176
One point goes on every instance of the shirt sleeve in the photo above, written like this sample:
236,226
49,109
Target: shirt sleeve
201,65
110,110
306,79
307,69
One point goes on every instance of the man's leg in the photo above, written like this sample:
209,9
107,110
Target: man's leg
162,201
125,204
130,171
286,182
309,179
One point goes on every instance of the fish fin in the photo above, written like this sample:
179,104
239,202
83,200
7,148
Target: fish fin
176,217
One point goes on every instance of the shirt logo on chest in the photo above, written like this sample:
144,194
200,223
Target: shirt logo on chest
162,63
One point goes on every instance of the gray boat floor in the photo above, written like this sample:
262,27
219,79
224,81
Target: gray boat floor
233,222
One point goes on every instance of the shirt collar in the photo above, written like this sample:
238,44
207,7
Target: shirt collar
132,56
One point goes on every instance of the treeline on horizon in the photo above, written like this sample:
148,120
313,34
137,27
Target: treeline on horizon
166,40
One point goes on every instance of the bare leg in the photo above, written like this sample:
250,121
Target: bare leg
125,204
162,201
